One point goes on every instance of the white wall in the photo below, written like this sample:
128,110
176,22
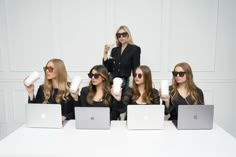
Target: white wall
201,32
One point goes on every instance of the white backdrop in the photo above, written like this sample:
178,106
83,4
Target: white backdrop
200,32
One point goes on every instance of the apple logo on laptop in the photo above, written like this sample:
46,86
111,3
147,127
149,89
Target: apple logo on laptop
43,116
92,118
195,117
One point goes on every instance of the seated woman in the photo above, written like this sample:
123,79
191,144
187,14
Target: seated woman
142,92
100,94
55,89
183,90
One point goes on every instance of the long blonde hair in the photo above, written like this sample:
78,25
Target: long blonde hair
191,87
147,76
61,77
126,29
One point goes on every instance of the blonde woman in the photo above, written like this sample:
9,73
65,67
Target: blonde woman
55,89
125,58
183,90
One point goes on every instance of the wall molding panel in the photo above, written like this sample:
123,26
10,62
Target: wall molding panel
18,104
4,57
193,32
2,107
29,33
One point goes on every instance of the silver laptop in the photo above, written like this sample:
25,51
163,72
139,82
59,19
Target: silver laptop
43,115
195,117
92,117
145,116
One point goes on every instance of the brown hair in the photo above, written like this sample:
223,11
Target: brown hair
147,76
106,86
191,87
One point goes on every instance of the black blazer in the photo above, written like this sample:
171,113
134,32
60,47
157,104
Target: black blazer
121,65
67,106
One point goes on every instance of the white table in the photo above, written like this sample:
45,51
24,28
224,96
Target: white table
118,142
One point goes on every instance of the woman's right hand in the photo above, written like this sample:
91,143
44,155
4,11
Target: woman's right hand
106,49
30,88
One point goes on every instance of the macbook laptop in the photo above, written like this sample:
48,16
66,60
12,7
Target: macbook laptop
92,117
43,115
193,117
145,116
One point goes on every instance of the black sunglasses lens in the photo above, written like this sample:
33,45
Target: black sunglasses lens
175,73
124,34
181,74
90,75
96,76
118,35
140,76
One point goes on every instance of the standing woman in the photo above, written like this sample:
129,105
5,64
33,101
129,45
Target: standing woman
124,58
183,90
55,89
100,94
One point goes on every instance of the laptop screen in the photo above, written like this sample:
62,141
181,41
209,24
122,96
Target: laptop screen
195,116
43,115
92,117
145,116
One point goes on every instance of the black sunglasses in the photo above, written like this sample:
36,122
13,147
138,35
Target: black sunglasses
180,73
50,69
96,75
139,75
124,34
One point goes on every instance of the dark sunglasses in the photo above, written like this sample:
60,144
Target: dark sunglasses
124,34
139,75
50,69
180,73
96,75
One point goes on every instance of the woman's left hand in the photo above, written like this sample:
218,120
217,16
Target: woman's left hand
166,99
75,95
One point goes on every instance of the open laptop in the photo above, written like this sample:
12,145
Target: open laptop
43,115
195,117
92,117
145,116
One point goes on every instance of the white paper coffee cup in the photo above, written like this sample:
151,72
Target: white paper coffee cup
75,84
32,78
164,88
117,82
